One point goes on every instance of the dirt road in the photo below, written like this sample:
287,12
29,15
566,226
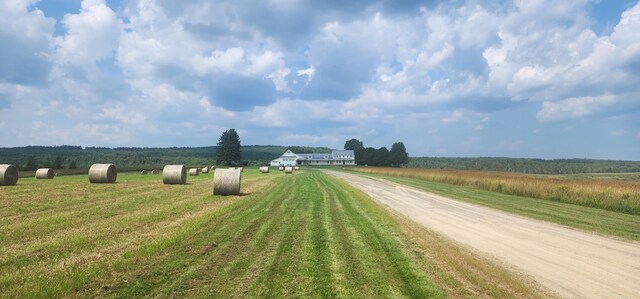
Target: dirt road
572,263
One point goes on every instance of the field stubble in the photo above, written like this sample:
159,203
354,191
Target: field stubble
298,235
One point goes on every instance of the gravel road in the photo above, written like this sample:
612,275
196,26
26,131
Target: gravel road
572,263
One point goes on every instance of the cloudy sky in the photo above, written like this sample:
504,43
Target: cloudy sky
520,78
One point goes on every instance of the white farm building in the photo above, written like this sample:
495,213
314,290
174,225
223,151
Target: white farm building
336,157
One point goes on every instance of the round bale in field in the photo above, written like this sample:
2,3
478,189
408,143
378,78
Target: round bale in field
281,168
103,173
226,182
155,171
296,168
288,170
45,173
174,175
264,169
8,175
205,169
194,171
143,172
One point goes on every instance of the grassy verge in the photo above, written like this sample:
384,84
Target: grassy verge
611,195
586,218
300,235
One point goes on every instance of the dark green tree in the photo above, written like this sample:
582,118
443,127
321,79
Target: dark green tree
32,164
229,148
73,165
382,157
398,154
353,144
57,163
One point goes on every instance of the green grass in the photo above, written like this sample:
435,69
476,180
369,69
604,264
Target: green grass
300,235
585,218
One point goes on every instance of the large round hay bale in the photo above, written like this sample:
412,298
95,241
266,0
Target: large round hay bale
281,168
155,171
264,169
205,169
103,173
226,182
174,174
296,168
143,172
288,170
194,171
45,173
8,175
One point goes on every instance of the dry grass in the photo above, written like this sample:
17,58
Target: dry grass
613,195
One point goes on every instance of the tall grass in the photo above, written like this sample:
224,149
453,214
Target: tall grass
619,196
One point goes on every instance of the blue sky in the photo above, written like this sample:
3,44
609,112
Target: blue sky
521,78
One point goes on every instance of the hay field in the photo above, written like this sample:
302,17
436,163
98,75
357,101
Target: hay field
286,236
608,194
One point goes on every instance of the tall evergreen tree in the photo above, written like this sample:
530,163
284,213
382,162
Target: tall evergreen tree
57,163
398,154
32,164
229,148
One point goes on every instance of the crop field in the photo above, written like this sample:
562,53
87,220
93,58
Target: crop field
608,194
300,235
606,205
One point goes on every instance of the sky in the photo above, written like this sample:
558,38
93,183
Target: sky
464,78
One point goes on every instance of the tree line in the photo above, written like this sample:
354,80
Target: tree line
370,156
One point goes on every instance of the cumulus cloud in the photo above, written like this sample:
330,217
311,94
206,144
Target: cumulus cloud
574,107
291,68
26,35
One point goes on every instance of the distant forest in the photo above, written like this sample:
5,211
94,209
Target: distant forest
66,156
72,157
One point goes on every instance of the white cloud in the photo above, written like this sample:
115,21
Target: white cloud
574,108
618,132
455,116
92,34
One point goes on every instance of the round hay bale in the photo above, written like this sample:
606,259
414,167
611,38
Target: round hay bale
288,170
296,168
205,169
226,182
103,173
264,169
143,172
45,173
155,171
194,171
8,175
281,168
174,175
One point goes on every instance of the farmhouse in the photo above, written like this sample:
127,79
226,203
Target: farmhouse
336,157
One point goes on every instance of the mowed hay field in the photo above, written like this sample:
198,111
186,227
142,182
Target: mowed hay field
300,235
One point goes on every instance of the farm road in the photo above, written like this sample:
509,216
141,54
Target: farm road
572,263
